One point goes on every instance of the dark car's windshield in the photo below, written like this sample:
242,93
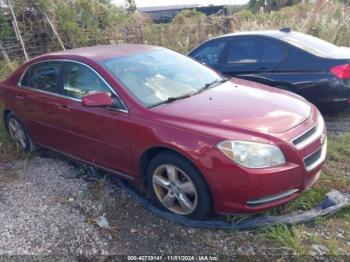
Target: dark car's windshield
162,75
310,43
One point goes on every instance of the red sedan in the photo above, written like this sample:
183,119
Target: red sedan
201,142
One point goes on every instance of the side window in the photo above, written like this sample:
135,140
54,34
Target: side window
42,76
210,54
271,54
79,80
243,51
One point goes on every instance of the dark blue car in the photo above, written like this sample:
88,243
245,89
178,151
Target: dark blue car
297,62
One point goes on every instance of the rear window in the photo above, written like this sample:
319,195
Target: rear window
310,43
42,76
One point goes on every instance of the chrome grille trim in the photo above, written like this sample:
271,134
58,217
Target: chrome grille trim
319,160
311,134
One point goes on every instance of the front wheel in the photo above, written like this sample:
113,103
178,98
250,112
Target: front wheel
177,186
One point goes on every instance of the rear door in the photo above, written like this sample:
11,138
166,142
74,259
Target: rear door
253,58
241,57
38,102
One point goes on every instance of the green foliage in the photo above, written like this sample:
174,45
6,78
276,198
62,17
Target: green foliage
232,9
93,22
245,14
188,13
5,30
130,5
270,5
6,69
284,237
85,22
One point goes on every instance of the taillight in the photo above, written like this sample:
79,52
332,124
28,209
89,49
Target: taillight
341,71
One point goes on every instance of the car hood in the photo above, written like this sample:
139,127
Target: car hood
241,104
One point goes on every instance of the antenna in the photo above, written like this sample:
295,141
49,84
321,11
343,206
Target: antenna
285,30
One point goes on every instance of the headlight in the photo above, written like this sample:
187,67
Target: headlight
252,154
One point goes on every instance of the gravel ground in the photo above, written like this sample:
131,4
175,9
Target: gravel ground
33,216
48,208
339,123
42,212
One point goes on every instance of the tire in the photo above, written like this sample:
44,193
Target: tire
18,133
184,192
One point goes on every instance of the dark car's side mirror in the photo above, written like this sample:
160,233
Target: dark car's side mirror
99,99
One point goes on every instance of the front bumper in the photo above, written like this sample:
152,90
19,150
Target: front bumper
236,189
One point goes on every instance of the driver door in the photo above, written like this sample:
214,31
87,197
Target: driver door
98,134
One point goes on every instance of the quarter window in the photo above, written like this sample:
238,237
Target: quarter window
79,80
271,54
42,76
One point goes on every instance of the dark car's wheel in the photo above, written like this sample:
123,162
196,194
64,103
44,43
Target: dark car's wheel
177,186
18,133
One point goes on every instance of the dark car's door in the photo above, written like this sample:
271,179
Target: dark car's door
97,134
252,58
210,53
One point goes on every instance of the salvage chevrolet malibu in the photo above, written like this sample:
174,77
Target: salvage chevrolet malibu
200,142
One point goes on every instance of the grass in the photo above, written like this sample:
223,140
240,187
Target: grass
282,236
332,176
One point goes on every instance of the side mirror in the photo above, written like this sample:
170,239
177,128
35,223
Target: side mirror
99,99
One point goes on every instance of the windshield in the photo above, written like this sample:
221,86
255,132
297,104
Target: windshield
310,43
162,75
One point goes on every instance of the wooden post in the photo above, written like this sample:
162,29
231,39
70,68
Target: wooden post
54,30
18,31
4,54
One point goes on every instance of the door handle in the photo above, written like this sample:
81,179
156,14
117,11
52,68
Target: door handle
63,107
18,97
265,69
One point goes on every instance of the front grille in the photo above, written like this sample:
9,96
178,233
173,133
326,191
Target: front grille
310,135
316,158
312,158
304,136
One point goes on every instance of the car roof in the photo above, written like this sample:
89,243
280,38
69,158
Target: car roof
103,52
269,33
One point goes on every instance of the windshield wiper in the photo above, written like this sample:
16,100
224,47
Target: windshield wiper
216,82
172,99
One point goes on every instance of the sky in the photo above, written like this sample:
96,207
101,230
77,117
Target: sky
144,3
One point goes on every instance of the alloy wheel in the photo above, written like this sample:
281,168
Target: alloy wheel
17,133
174,189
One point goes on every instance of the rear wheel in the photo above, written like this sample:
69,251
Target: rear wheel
18,133
177,186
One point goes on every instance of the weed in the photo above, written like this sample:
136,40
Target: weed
284,237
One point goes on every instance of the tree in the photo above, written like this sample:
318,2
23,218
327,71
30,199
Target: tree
130,5
270,5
